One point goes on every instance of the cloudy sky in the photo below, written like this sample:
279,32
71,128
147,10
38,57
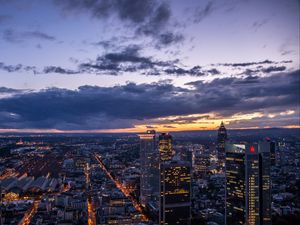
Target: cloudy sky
130,65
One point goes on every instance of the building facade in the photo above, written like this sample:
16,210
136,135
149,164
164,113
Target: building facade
222,138
175,193
149,179
248,196
165,147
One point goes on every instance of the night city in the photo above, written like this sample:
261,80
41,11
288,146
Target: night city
149,112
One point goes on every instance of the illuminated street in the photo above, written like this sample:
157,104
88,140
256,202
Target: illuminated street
30,213
121,187
91,210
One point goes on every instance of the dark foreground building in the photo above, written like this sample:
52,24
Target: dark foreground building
248,196
175,193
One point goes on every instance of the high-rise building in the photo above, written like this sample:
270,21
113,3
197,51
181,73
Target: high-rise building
222,138
149,180
248,196
165,147
175,193
272,146
200,163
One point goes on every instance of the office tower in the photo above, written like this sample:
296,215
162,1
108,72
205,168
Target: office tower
248,199
200,163
149,180
165,147
222,138
175,193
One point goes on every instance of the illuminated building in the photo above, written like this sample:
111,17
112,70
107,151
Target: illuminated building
200,163
149,185
222,138
165,147
175,193
248,196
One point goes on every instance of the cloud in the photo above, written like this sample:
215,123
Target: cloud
127,60
147,17
246,64
274,69
169,38
9,90
17,37
195,71
201,13
16,68
258,24
130,60
122,106
57,69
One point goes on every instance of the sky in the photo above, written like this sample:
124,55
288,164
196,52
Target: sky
132,65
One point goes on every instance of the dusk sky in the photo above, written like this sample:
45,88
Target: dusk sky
132,65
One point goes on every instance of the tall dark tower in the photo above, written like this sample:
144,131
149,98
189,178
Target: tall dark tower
248,190
149,186
222,138
175,193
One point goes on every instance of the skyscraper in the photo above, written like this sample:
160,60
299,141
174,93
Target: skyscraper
222,138
165,147
149,180
248,199
175,193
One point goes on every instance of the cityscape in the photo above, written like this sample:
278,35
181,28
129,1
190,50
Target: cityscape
151,178
149,112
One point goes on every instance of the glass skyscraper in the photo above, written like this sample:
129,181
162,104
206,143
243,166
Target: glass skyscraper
248,196
222,138
149,180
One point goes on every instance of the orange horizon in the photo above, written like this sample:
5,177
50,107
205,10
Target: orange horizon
131,130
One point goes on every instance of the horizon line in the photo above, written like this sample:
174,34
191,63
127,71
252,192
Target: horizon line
129,130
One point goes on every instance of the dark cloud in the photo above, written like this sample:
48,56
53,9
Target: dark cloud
92,107
128,60
201,13
169,126
151,127
195,71
147,17
169,38
213,71
16,68
9,90
279,120
185,120
57,69
273,69
247,63
16,37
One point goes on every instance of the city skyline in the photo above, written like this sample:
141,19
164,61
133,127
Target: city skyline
130,66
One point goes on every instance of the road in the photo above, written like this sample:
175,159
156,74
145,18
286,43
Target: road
122,188
32,210
30,213
91,208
